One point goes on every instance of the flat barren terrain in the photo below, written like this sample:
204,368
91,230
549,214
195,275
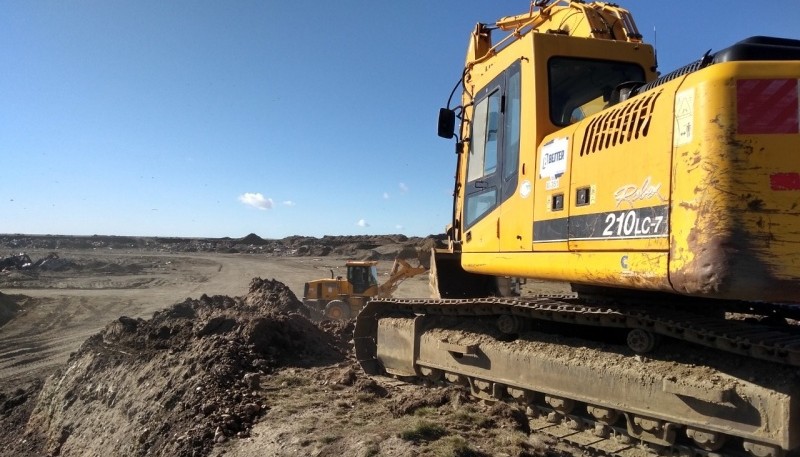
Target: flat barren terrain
60,309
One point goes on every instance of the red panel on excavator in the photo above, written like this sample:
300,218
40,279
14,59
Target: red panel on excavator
767,106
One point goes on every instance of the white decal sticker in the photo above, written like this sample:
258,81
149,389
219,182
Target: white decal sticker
684,117
552,184
630,223
525,189
631,193
553,162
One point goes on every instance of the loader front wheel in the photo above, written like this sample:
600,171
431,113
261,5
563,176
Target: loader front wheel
337,310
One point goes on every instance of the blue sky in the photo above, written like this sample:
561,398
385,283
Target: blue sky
200,118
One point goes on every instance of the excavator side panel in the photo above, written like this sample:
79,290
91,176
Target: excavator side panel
735,213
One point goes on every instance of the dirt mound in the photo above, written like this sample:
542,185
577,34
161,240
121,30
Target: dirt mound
177,383
254,240
272,296
8,308
110,268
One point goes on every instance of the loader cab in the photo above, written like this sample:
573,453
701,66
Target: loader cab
362,276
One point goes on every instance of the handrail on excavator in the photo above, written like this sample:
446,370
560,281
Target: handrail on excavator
605,21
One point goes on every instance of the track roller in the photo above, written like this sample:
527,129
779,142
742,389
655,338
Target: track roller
651,430
707,440
431,374
641,341
605,416
509,324
762,450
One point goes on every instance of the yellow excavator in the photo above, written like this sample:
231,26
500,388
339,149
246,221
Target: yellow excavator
342,298
671,203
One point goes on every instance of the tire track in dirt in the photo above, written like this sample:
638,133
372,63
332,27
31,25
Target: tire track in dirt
34,359
55,321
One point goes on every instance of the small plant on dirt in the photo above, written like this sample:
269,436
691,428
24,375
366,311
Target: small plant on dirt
370,446
365,397
291,380
454,446
471,417
514,443
423,431
425,411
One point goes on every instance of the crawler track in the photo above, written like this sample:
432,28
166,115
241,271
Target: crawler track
614,411
762,342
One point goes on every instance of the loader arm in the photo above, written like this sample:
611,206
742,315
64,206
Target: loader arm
401,270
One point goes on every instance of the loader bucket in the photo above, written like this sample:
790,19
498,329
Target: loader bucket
449,280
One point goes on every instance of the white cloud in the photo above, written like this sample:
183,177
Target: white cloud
362,223
386,195
256,200
399,227
289,203
403,187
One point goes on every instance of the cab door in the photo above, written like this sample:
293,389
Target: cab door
487,184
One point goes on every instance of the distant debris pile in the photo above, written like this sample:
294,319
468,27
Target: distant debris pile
23,261
253,239
362,247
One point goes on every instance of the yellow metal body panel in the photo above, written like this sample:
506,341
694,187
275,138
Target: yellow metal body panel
663,191
328,289
733,235
645,270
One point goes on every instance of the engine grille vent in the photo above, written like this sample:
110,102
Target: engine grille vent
620,125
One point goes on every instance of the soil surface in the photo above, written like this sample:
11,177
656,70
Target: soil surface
139,346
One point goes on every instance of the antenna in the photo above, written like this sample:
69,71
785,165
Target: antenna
655,49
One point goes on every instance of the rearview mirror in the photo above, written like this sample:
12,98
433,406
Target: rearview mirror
447,123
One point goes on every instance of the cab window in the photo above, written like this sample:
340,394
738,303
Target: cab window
482,161
483,150
493,156
579,87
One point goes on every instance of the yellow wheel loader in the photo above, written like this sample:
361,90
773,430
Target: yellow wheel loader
342,298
